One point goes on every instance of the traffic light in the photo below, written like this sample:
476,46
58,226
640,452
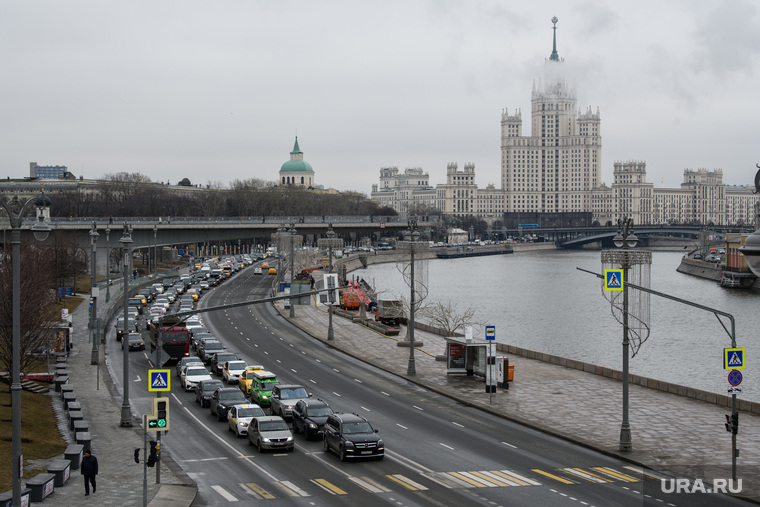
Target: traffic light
158,420
153,456
728,423
735,423
137,455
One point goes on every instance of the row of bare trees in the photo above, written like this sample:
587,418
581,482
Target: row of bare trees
131,194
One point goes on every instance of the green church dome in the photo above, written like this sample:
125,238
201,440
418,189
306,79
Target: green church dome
296,164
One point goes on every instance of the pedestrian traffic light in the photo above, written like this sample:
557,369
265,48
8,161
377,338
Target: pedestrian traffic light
137,455
153,456
728,423
159,419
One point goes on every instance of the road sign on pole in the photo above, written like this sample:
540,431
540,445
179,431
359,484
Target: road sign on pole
735,377
159,380
490,332
733,359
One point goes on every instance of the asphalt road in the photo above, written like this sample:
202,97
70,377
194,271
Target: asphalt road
438,451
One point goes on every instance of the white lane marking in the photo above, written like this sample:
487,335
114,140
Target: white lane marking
138,377
336,370
510,445
294,371
418,408
457,424
176,398
227,496
292,489
368,484
401,426
446,446
383,392
365,408
312,381
336,394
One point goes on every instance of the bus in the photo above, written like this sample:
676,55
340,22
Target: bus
175,339
527,226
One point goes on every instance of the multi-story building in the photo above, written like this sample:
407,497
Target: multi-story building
49,172
557,170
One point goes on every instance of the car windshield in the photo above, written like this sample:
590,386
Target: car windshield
289,394
135,339
251,412
273,426
231,395
196,371
319,411
357,427
212,386
237,365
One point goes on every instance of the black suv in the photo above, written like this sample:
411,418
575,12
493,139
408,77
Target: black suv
352,436
310,416
223,399
205,390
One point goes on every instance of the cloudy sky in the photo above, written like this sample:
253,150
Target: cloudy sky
216,91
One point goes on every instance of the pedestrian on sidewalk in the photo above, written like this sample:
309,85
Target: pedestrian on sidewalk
89,468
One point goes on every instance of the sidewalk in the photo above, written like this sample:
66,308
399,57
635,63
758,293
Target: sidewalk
120,479
676,436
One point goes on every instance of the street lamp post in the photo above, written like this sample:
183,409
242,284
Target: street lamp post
126,411
329,243
412,246
625,238
292,267
155,250
16,210
94,293
108,264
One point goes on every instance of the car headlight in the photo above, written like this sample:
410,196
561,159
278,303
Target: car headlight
265,439
244,424
349,443
312,425
380,443
290,439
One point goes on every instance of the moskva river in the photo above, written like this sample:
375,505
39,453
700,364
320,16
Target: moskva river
538,300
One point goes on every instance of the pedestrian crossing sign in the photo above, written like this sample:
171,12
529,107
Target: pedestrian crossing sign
613,279
733,359
159,380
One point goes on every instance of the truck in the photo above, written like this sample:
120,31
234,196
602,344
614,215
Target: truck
175,338
389,312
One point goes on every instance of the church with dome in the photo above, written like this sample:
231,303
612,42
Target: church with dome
296,171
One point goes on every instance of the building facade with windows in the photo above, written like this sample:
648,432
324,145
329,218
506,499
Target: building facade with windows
557,169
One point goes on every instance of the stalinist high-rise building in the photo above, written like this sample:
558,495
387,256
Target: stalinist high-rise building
555,168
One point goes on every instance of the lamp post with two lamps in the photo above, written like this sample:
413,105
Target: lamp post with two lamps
16,210
329,243
94,292
108,263
155,250
413,245
126,243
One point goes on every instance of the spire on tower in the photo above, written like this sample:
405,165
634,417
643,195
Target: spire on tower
554,56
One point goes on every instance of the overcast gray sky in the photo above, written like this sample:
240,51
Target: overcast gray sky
216,91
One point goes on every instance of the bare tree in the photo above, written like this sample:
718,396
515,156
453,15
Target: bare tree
37,297
448,319
67,261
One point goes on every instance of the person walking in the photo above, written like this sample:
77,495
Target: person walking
89,468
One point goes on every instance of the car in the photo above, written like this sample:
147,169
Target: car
136,302
193,374
223,399
131,326
352,436
184,361
192,293
270,432
261,387
205,390
257,270
272,271
198,338
239,417
205,285
218,360
232,370
265,265
246,378
134,342
284,397
310,416
209,347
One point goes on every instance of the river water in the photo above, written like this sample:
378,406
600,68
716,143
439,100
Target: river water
538,300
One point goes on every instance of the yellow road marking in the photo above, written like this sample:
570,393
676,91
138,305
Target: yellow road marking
261,491
490,479
406,482
552,476
613,473
467,480
331,488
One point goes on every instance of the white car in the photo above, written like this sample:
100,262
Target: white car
257,270
239,417
194,374
232,370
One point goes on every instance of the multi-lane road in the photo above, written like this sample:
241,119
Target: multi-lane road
438,452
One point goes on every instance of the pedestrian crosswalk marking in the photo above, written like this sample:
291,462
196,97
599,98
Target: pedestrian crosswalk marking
227,496
407,482
495,479
617,475
585,475
555,477
330,488
523,481
257,490
291,489
369,484
471,480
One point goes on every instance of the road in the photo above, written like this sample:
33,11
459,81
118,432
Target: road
438,451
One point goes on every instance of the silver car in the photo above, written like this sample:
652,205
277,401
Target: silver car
270,432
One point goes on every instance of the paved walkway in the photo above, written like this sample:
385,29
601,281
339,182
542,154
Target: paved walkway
680,435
